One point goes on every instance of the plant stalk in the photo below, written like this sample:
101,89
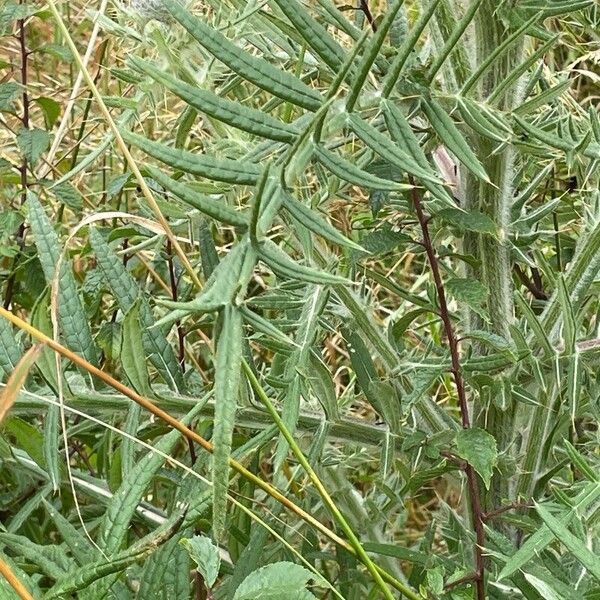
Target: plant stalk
472,483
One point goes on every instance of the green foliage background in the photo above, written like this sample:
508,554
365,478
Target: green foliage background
353,248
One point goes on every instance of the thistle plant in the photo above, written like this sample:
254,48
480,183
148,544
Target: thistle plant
314,288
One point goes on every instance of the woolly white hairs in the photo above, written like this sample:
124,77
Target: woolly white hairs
150,9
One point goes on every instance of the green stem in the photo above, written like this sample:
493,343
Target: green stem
327,499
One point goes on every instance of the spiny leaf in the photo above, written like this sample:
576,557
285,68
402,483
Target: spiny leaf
117,518
581,552
349,172
283,265
233,113
451,137
10,348
254,69
126,292
206,205
315,35
227,381
202,165
74,323
385,148
315,223
371,52
225,283
402,134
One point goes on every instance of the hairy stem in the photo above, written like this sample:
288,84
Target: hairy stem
472,483
495,200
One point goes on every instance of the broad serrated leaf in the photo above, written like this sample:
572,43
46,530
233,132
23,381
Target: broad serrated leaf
206,556
275,582
468,220
468,291
9,92
479,449
33,143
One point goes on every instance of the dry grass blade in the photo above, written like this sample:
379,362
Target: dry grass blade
17,380
14,581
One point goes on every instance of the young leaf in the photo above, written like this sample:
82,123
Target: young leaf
132,354
479,449
206,556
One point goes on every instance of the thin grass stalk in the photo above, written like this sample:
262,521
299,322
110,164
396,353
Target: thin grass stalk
14,581
327,499
191,435
147,193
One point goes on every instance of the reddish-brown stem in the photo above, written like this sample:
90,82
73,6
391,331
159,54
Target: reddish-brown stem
492,514
472,483
466,579
364,6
